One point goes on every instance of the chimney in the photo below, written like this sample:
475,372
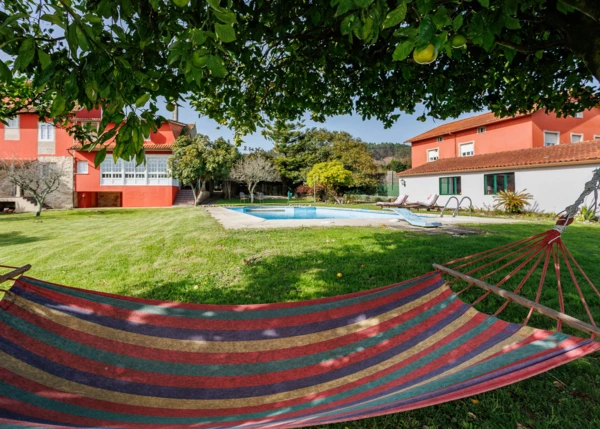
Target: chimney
176,113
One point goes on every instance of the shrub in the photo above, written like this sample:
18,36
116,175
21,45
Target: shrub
512,201
586,214
304,190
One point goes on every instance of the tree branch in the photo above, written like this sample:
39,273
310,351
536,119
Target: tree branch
590,8
539,46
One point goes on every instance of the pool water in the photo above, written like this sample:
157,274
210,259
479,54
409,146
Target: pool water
283,213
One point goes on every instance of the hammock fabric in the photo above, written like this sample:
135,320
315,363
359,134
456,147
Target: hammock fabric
75,358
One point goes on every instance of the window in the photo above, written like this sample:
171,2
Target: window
467,149
47,168
82,167
11,129
433,155
495,183
576,138
46,144
596,136
450,186
551,138
480,130
153,172
578,115
440,139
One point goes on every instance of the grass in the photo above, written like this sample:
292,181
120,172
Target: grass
165,253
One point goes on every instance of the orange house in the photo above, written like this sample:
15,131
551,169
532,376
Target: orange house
112,184
486,133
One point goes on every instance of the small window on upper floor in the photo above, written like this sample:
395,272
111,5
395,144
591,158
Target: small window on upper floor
467,149
576,138
433,155
480,130
578,115
551,138
440,139
11,129
45,132
82,167
596,136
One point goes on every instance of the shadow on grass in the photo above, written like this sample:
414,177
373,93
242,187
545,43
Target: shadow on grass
14,238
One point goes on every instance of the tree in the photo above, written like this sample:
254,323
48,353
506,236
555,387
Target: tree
246,63
32,177
355,156
200,159
332,175
252,170
398,165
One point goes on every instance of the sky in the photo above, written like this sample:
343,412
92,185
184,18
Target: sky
371,131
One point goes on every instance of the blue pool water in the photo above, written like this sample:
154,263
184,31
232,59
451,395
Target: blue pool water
281,213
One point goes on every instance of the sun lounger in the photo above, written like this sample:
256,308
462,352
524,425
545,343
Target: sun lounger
429,203
400,201
414,219
243,197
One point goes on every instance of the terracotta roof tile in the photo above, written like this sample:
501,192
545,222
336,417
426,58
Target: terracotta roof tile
585,152
149,146
462,124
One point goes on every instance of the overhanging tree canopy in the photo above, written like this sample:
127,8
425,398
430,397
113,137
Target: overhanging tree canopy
243,63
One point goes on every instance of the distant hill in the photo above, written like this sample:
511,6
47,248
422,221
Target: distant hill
388,150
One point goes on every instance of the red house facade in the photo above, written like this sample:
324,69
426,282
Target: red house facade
112,184
486,133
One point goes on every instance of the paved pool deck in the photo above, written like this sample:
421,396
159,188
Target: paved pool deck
230,219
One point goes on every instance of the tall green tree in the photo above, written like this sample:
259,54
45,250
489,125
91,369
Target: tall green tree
246,63
199,159
332,175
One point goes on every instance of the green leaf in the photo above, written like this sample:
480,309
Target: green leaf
347,23
511,23
91,90
509,53
484,3
225,32
441,18
58,105
56,19
216,66
426,32
44,58
5,73
403,50
396,16
488,41
214,4
82,39
100,157
141,102
539,54
363,3
344,6
225,16
457,22
26,54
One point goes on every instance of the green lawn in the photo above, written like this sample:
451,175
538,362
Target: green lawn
165,253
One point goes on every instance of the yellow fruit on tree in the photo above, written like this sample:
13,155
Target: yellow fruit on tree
458,41
199,59
171,107
425,56
339,275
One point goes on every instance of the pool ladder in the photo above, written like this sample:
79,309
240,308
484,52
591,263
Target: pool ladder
458,204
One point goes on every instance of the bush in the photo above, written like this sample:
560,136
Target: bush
304,190
586,214
512,201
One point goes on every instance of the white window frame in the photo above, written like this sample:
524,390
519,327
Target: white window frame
464,144
578,115
12,130
127,173
431,150
596,136
49,125
576,134
551,132
481,130
82,163
440,139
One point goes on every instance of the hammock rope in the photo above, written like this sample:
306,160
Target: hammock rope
73,358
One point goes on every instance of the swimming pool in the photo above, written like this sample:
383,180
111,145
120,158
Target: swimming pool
288,213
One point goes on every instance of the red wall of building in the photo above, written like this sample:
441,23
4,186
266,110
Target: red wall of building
507,135
131,196
589,126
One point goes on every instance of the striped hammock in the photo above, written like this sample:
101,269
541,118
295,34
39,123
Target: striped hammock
75,358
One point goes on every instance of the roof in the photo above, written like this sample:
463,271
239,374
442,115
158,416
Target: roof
463,124
178,127
571,153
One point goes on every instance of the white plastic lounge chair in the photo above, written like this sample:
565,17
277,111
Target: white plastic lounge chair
260,197
428,204
243,197
400,201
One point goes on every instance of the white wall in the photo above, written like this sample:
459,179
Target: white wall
553,188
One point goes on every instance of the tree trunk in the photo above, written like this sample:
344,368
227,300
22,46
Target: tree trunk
40,205
195,193
251,188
